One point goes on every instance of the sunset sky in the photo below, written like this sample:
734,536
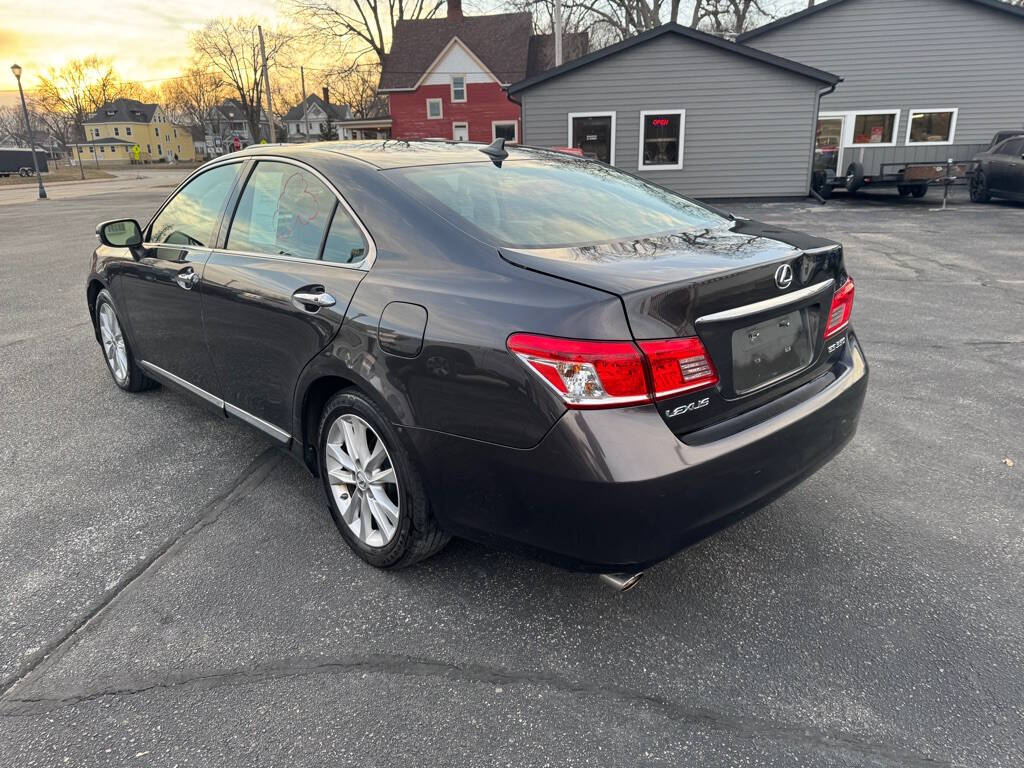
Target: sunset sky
147,39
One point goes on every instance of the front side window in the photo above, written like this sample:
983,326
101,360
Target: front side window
434,109
458,87
1013,147
661,140
874,128
931,127
191,217
554,202
284,211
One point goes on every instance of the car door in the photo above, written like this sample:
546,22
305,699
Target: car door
163,288
276,293
1003,164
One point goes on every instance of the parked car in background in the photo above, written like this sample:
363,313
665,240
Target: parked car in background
999,172
515,345
1001,136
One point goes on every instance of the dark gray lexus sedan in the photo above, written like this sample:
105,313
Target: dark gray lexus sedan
514,345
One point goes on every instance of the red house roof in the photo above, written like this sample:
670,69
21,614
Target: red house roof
503,43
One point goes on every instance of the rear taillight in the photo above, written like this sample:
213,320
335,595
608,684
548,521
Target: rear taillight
841,309
678,365
599,374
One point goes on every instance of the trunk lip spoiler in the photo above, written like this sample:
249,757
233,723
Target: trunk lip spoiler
767,304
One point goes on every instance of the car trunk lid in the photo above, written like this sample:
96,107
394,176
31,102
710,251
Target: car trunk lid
764,336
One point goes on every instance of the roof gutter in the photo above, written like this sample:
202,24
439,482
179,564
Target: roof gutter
822,93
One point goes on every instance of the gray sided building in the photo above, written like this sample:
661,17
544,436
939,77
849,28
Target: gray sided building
923,80
689,111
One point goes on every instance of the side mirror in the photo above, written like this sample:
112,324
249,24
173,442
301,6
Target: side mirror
123,233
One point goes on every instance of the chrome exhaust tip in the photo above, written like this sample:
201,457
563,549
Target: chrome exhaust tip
621,582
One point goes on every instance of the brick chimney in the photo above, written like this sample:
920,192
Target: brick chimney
454,10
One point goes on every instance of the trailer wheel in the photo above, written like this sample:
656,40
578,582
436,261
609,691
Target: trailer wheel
920,190
903,190
854,177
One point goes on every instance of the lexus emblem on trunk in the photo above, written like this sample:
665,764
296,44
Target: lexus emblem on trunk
784,277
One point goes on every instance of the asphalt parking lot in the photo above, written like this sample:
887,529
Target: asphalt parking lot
174,592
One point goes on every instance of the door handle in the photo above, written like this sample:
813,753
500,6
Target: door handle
311,301
187,278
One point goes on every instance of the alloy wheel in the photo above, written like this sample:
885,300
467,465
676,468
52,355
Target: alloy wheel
362,480
113,343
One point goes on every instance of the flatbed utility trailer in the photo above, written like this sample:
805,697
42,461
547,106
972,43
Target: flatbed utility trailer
907,178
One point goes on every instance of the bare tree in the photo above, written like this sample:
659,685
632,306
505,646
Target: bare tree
357,29
231,47
80,87
356,86
190,97
729,18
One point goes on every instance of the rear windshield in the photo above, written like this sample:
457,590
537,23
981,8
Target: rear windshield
538,204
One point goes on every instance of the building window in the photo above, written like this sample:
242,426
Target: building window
157,130
127,130
159,149
149,149
117,131
458,88
175,132
593,133
875,128
101,149
931,126
434,111
661,140
95,133
505,129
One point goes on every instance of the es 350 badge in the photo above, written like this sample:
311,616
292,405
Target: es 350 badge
695,405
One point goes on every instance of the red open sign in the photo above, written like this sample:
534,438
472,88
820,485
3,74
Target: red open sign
660,122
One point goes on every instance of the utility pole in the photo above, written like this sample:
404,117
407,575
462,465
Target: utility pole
266,84
305,104
81,168
558,32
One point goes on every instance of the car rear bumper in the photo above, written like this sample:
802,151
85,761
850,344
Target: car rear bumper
615,490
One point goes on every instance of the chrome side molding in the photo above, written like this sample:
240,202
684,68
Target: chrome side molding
773,303
266,427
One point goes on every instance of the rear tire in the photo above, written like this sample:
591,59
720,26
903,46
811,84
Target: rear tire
979,187
919,191
903,190
117,350
374,492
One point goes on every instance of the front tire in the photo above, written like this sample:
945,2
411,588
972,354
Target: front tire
117,351
919,191
979,187
374,492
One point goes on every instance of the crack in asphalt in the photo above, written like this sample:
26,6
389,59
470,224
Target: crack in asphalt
57,647
410,666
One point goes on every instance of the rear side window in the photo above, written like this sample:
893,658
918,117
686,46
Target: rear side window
555,202
284,210
191,217
345,243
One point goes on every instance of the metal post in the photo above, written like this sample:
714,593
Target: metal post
558,32
28,127
271,138
305,104
81,168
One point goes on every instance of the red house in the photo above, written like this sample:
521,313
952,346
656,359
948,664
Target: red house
444,77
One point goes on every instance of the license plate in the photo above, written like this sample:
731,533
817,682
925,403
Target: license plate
769,351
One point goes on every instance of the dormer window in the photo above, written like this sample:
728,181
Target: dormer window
458,88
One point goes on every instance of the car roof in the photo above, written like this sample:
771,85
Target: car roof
398,153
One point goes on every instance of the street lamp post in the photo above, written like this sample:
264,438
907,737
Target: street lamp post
28,127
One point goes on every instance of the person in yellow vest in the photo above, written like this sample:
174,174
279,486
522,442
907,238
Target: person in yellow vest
136,151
